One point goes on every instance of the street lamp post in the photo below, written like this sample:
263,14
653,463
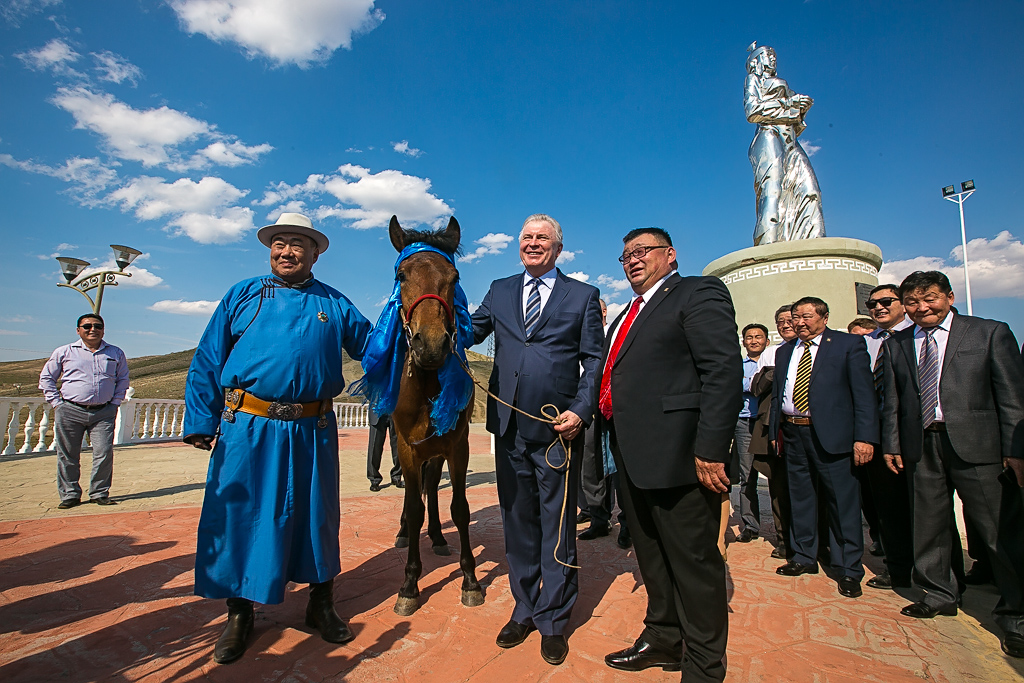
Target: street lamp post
966,190
73,267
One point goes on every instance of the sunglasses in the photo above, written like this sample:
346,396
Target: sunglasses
885,301
91,326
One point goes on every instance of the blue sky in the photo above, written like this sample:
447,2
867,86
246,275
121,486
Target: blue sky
180,126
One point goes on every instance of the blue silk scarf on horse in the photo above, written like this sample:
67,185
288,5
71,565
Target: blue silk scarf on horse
386,349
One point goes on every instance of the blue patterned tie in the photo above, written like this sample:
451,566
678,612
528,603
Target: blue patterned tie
533,307
928,377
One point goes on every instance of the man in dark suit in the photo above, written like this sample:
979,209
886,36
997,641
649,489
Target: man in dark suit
546,328
670,392
381,425
824,401
953,416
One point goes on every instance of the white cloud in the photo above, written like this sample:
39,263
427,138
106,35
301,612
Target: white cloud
14,10
115,68
140,277
225,226
301,32
62,248
609,283
614,310
996,265
472,307
88,177
566,256
179,307
491,243
404,148
55,55
17,319
13,333
578,275
367,200
153,198
810,148
233,153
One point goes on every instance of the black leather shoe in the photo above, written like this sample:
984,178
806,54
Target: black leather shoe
103,501
554,649
882,582
582,518
849,587
979,575
321,615
398,483
779,553
876,549
922,610
231,644
642,655
69,503
747,536
1013,644
375,486
792,568
625,539
592,532
513,633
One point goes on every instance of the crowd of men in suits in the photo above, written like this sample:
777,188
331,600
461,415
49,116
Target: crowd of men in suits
889,420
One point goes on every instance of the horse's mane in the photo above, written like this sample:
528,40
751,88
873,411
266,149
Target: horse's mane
439,239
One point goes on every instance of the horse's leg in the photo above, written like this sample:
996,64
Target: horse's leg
402,539
431,480
458,463
409,593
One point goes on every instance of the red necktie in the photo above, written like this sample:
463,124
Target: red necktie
605,402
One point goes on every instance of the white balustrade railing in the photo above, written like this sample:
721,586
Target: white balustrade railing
29,422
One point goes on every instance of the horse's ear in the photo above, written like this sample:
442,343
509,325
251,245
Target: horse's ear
453,231
397,234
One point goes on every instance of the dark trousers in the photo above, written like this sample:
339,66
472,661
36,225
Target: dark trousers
996,512
538,514
675,535
375,451
593,486
890,495
805,460
773,467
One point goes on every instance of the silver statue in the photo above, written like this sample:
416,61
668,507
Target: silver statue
788,198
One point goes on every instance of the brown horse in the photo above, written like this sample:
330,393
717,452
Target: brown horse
428,282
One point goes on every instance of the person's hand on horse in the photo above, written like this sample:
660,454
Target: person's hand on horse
569,425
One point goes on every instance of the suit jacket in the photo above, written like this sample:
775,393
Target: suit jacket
844,406
530,372
677,382
981,390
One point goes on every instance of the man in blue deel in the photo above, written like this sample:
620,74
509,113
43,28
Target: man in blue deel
259,394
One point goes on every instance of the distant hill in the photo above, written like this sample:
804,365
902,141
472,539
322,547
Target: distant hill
164,376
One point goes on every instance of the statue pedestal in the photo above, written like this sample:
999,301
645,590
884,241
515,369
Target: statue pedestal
765,277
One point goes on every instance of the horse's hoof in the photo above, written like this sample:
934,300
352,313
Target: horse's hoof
401,542
442,550
405,607
473,598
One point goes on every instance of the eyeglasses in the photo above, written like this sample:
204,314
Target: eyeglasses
639,253
91,326
886,302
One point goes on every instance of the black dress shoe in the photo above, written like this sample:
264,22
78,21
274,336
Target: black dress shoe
979,575
849,587
876,549
747,536
321,615
882,582
922,610
103,501
513,633
792,568
625,539
232,643
642,655
582,518
779,553
554,649
592,532
398,483
69,503
375,486
1013,644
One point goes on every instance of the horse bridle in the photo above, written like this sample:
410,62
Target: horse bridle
449,317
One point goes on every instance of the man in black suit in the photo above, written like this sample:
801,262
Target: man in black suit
381,425
546,328
670,392
825,403
954,418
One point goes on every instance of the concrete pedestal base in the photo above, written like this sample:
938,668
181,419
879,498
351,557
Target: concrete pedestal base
765,277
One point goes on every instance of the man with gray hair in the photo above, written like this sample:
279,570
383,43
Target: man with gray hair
547,327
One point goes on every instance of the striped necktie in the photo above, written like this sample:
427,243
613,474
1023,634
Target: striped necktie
928,377
533,307
877,370
801,388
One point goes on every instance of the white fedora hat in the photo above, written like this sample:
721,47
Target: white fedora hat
293,222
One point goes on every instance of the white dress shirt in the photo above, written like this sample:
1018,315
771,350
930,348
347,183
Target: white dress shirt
874,340
547,284
787,393
941,336
645,297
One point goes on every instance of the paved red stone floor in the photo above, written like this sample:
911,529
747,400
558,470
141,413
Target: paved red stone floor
108,597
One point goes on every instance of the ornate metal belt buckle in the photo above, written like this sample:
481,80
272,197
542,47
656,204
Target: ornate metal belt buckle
228,415
284,411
